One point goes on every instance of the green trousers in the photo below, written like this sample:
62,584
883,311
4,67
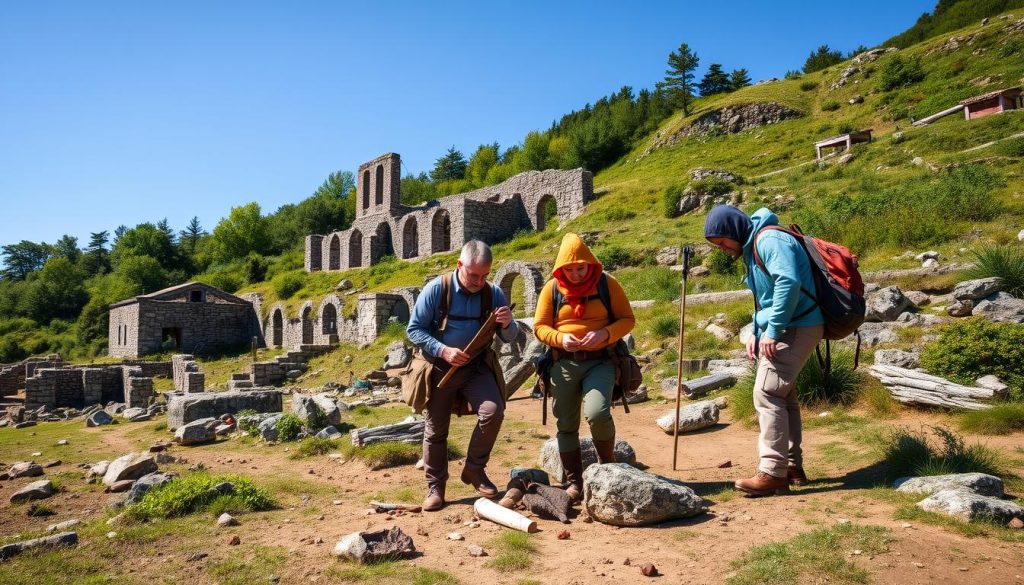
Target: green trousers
588,384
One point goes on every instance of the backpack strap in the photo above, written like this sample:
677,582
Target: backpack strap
603,293
486,302
799,235
446,300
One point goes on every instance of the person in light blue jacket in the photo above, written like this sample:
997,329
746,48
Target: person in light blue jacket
787,326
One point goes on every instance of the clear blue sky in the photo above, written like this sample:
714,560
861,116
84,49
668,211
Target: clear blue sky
122,112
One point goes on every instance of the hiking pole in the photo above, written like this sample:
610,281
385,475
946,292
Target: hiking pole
687,252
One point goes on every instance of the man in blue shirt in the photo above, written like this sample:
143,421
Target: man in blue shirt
787,327
441,339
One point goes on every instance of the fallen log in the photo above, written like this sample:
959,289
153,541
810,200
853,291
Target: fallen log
381,507
700,386
410,432
917,387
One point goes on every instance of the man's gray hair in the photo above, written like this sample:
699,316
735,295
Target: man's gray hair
475,252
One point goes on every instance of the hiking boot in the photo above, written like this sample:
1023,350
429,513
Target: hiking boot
605,450
478,479
572,463
435,498
796,476
763,484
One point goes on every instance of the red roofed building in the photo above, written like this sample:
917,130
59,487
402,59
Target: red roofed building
994,102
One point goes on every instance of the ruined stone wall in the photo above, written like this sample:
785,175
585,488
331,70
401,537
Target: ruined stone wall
187,377
12,376
160,369
185,408
138,389
123,331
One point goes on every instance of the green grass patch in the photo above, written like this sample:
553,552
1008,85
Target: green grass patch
1005,262
195,493
392,454
907,510
821,553
388,573
313,446
1001,419
973,347
908,453
512,551
249,565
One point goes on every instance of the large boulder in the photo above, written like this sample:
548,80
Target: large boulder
99,418
37,490
965,505
185,408
692,417
130,466
329,432
316,408
552,463
136,414
146,483
975,290
368,547
398,356
886,304
25,469
898,358
1000,308
198,431
268,428
621,495
979,483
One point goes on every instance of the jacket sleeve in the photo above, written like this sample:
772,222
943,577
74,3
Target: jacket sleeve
779,257
507,334
422,318
624,319
544,318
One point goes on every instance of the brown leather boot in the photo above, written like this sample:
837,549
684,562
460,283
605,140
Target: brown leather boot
763,484
605,450
478,479
435,498
796,476
572,463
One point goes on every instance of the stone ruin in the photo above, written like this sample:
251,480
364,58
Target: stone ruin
59,385
383,226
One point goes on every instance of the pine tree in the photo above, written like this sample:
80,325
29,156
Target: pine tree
97,256
715,81
190,236
739,78
450,167
678,82
822,58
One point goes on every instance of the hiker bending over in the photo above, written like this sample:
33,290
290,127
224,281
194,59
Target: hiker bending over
448,314
787,327
572,319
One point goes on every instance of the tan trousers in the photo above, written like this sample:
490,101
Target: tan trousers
778,411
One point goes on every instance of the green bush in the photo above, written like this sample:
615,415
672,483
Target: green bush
830,106
970,348
841,387
808,85
713,186
671,197
665,326
195,493
1011,147
615,256
255,268
287,284
908,453
1005,262
718,262
288,427
1001,419
900,72
316,446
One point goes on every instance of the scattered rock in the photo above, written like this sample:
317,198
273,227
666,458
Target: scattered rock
1016,524
897,357
977,289
367,547
668,255
563,535
130,466
475,550
196,432
649,570
37,490
316,408
234,541
268,428
25,469
455,536
917,297
857,99
845,158
979,483
917,161
398,356
1000,308
621,495
58,540
99,418
930,263
226,519
136,414
345,284
145,483
552,463
692,417
329,432
886,304
992,383
63,525
966,505
120,486
720,333
960,308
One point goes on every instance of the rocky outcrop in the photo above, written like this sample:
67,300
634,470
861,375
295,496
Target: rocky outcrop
728,120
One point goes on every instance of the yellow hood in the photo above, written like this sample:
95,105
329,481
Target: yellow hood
573,251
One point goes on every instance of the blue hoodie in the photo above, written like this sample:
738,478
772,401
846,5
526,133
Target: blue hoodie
778,291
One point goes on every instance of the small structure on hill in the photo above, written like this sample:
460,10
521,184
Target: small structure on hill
843,141
385,227
993,102
191,317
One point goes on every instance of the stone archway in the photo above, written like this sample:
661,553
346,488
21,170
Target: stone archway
277,326
533,281
355,249
334,253
410,238
366,191
306,319
440,231
381,243
378,186
542,213
330,310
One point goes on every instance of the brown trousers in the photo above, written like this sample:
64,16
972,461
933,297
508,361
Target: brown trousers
474,383
778,411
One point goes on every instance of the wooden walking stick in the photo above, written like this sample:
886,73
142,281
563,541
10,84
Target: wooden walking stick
687,252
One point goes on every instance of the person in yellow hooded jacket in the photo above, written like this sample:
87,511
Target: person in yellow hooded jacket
581,334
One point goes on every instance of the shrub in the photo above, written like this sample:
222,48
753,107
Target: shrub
1011,48
907,453
1001,419
1011,147
671,197
618,214
830,106
316,446
287,284
840,388
900,72
288,427
970,348
718,262
1006,262
665,326
808,85
255,268
195,493
616,256
712,186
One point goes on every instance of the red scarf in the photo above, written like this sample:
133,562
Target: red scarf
576,294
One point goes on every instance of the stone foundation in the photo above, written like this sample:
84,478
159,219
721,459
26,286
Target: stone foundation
185,408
